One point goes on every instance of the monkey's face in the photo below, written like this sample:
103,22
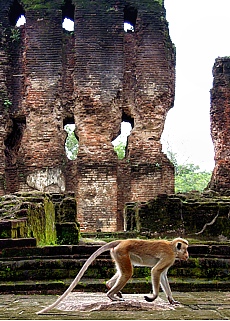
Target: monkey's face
182,251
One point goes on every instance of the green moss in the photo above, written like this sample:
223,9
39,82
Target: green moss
109,7
41,222
42,4
4,234
50,230
67,233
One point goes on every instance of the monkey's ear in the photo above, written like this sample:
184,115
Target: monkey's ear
178,246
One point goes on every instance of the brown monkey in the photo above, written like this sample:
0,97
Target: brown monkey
158,254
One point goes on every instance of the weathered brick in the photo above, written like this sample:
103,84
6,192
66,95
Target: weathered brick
96,77
220,125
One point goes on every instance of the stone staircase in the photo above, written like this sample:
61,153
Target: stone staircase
50,269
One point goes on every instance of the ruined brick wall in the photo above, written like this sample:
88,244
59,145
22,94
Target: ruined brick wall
95,77
220,125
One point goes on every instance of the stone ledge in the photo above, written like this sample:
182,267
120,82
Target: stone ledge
98,285
16,243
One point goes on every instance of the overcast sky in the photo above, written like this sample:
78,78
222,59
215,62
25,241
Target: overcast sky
200,31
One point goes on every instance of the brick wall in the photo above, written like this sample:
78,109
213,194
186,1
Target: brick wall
220,124
96,77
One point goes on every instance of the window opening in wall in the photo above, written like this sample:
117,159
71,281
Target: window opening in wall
68,15
71,143
21,21
68,24
120,143
15,13
130,17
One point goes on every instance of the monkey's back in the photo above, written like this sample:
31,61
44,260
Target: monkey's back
145,252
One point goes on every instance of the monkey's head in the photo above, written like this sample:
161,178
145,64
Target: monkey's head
181,248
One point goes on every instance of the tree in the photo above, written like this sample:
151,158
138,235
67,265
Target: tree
71,144
189,177
120,150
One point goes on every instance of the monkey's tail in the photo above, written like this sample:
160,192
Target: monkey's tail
102,249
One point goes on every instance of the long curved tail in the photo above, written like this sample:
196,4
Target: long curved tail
102,249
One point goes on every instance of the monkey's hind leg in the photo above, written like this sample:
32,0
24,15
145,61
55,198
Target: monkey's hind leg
124,273
111,282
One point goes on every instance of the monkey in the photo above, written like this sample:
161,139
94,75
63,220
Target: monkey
157,254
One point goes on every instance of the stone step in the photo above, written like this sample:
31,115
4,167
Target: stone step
98,285
11,252
10,249
16,243
209,262
212,250
59,268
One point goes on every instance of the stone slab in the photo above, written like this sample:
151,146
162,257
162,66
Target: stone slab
212,305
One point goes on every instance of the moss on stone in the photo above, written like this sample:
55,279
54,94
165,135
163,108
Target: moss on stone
5,233
42,4
50,229
41,222
67,233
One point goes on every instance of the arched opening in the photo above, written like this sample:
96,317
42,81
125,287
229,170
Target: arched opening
68,25
68,15
72,141
120,143
15,13
21,21
130,17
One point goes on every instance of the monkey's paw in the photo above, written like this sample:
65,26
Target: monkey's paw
172,301
148,299
115,297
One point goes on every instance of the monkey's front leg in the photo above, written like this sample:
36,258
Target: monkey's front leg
155,276
166,287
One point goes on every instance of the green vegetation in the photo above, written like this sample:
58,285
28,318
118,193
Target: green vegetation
120,150
41,4
41,218
71,144
189,177
7,103
15,35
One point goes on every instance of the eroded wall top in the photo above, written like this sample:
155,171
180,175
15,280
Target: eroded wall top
220,124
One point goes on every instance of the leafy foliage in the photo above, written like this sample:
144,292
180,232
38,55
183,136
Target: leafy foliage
189,177
120,150
71,144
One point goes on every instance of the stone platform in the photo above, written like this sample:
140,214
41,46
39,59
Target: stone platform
212,305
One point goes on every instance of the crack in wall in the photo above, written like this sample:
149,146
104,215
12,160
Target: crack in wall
208,224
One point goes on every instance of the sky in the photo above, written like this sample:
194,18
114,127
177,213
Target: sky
200,31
